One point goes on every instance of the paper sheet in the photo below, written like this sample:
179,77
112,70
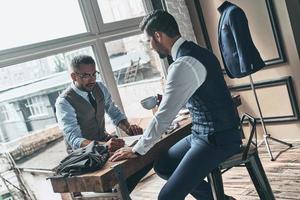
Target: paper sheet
131,140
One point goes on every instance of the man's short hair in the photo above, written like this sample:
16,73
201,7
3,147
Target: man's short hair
79,60
160,20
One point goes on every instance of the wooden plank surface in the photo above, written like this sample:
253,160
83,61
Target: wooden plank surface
105,178
283,175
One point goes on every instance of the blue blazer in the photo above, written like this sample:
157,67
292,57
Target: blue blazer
239,54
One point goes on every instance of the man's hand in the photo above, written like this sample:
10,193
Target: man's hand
134,130
115,144
85,143
122,154
130,129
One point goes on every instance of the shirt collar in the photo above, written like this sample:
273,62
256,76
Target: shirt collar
223,6
78,91
176,46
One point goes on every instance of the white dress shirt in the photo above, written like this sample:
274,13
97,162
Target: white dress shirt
185,75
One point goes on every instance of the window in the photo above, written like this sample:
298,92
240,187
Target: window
3,114
137,72
8,113
31,77
31,89
36,106
32,21
40,69
117,10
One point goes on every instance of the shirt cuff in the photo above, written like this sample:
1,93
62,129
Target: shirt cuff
119,119
141,148
77,143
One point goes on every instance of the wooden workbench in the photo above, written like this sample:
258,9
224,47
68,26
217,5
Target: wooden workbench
106,178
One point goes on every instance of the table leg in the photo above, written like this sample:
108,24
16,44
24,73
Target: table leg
122,183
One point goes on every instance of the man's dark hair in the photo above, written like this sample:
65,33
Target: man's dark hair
159,20
79,60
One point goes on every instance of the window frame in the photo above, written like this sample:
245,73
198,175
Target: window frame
10,114
97,34
36,106
4,113
130,23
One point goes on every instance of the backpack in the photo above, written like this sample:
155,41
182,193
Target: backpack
84,160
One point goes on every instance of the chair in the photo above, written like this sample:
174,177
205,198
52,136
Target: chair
249,158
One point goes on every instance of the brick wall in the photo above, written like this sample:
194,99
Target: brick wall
29,144
179,10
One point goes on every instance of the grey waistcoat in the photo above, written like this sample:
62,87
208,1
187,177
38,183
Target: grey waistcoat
91,121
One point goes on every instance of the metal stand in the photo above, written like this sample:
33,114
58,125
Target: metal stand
266,135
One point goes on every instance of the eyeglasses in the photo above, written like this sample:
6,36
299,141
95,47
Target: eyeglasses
94,75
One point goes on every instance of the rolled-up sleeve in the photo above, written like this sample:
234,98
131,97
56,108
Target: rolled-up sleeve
67,122
110,107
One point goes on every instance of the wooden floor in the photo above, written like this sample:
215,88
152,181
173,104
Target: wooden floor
283,175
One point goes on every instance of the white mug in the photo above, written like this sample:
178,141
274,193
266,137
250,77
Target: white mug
149,102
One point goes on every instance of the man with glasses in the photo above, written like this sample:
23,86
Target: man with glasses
80,112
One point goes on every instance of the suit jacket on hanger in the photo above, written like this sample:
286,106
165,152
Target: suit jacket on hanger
239,54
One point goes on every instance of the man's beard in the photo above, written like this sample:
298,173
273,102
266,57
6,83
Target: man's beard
89,87
160,49
86,88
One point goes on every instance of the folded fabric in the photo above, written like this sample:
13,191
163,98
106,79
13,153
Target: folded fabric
83,160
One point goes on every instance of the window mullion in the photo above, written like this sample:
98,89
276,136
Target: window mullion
89,14
107,72
97,14
115,35
44,49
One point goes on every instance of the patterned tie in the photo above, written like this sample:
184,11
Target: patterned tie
92,100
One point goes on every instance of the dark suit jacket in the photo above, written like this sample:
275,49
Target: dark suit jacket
239,54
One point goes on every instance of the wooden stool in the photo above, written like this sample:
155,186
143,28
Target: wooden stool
249,158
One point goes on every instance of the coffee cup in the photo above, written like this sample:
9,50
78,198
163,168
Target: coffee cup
149,102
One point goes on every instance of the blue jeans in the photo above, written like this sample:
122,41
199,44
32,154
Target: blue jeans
190,160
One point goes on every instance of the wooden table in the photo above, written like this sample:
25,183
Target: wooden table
114,173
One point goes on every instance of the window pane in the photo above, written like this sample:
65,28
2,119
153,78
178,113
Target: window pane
31,89
3,113
32,21
37,106
137,71
8,113
117,10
